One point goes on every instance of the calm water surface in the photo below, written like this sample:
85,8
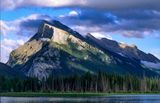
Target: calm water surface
102,99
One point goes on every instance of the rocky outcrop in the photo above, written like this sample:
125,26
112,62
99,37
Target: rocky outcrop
22,54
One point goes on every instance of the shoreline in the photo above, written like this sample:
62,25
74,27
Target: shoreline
68,94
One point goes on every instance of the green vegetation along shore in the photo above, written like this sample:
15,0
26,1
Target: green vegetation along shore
67,94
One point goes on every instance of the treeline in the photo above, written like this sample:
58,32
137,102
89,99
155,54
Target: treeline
85,83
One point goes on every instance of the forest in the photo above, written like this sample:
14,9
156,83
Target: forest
101,82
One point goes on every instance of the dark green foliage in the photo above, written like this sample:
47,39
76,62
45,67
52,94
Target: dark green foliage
85,83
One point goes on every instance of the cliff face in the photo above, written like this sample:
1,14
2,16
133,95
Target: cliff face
22,54
57,50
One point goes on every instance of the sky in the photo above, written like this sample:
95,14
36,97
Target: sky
128,21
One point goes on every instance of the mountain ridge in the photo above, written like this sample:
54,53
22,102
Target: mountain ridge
57,49
123,49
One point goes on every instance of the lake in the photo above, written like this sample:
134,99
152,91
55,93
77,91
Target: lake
101,99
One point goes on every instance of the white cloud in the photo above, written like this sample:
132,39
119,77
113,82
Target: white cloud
84,29
100,35
34,17
7,4
13,4
73,13
20,26
5,28
7,45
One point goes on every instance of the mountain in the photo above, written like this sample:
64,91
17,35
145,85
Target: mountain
130,51
58,50
127,51
5,70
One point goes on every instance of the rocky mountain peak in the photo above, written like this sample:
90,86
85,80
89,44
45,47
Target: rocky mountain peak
54,30
45,30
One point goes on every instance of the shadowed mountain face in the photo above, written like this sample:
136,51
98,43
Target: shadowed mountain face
58,50
5,70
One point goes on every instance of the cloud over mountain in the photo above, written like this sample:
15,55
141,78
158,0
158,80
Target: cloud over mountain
142,24
8,45
24,26
129,18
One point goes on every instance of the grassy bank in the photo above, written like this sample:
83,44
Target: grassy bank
54,94
68,94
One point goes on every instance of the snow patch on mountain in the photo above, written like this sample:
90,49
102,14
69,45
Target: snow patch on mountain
151,64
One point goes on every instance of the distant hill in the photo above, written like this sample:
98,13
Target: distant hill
5,70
